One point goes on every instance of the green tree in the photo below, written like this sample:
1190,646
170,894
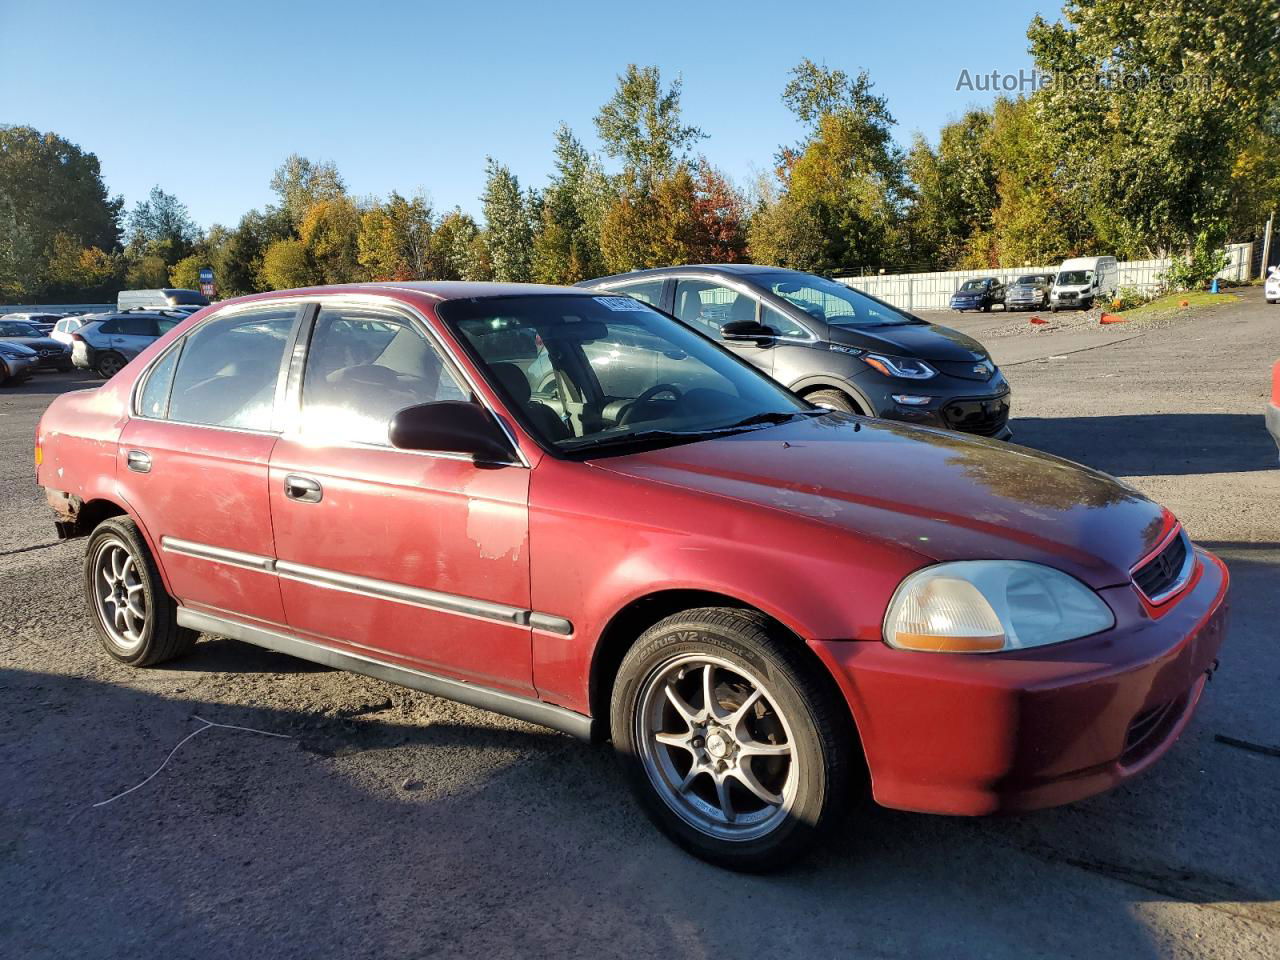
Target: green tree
160,227
1172,97
301,183
238,261
844,186
567,244
508,214
76,272
394,240
48,187
330,232
641,126
287,264
185,274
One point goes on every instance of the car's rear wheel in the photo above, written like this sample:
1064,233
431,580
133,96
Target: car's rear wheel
737,747
4,374
109,364
832,400
135,618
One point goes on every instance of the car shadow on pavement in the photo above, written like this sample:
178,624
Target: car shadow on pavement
246,845
1155,444
45,384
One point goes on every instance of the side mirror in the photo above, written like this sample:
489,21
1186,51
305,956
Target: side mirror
450,426
744,330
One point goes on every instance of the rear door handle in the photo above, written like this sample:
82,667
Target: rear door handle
302,488
139,461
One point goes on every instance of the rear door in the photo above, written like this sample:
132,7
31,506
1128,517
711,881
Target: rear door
130,335
420,557
192,461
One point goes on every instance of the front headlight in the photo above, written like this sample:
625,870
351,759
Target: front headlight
899,366
988,606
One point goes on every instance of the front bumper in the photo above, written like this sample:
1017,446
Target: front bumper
977,734
21,368
54,360
984,416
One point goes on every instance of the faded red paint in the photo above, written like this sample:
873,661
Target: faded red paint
812,523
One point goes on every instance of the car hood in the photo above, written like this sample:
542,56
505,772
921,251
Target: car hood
945,496
926,341
36,343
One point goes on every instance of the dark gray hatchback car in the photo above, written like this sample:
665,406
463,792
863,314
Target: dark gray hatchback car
833,345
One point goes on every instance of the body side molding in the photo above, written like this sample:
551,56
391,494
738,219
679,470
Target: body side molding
521,708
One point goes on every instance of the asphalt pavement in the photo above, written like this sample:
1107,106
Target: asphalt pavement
385,823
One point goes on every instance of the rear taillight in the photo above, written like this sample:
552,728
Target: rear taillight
1275,384
77,338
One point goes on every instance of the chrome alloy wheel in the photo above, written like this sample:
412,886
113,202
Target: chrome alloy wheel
726,765
118,594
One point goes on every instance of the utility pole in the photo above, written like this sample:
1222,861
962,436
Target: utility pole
1266,243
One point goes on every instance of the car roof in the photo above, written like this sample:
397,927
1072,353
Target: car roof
731,269
439,290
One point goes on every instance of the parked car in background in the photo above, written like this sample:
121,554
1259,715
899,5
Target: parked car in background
1083,280
50,353
160,299
1028,292
43,322
753,598
1271,289
17,363
64,328
105,344
837,347
981,293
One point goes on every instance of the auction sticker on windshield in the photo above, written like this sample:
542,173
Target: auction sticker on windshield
621,304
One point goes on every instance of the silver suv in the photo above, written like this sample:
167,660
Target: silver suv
106,343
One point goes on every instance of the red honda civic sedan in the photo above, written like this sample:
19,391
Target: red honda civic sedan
574,510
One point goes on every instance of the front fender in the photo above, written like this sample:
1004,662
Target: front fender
599,541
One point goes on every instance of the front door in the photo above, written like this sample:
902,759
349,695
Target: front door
193,461
414,557
705,305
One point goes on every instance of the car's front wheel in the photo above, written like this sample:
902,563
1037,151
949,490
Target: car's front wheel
135,617
832,400
737,746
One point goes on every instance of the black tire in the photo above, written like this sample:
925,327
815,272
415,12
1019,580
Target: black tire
107,365
4,374
797,695
833,400
986,308
160,638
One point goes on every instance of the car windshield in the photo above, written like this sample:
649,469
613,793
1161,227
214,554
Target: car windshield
1075,276
17,328
829,301
974,285
595,373
1031,279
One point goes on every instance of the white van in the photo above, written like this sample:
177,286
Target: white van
1082,280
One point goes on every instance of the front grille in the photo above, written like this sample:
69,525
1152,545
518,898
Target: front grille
984,417
1162,574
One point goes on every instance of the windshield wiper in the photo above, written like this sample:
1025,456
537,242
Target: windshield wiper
689,436
772,416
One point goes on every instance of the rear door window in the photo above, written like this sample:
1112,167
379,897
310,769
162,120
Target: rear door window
229,369
138,327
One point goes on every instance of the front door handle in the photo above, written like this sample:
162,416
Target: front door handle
139,461
302,488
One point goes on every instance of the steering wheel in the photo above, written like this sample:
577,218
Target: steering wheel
655,391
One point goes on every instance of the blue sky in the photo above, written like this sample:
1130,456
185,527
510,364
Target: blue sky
207,99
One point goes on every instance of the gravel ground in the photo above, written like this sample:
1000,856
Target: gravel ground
392,824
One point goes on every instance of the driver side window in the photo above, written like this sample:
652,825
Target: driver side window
365,366
705,306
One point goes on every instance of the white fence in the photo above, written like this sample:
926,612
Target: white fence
932,291
57,308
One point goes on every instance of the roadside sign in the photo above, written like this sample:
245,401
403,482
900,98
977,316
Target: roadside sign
206,282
